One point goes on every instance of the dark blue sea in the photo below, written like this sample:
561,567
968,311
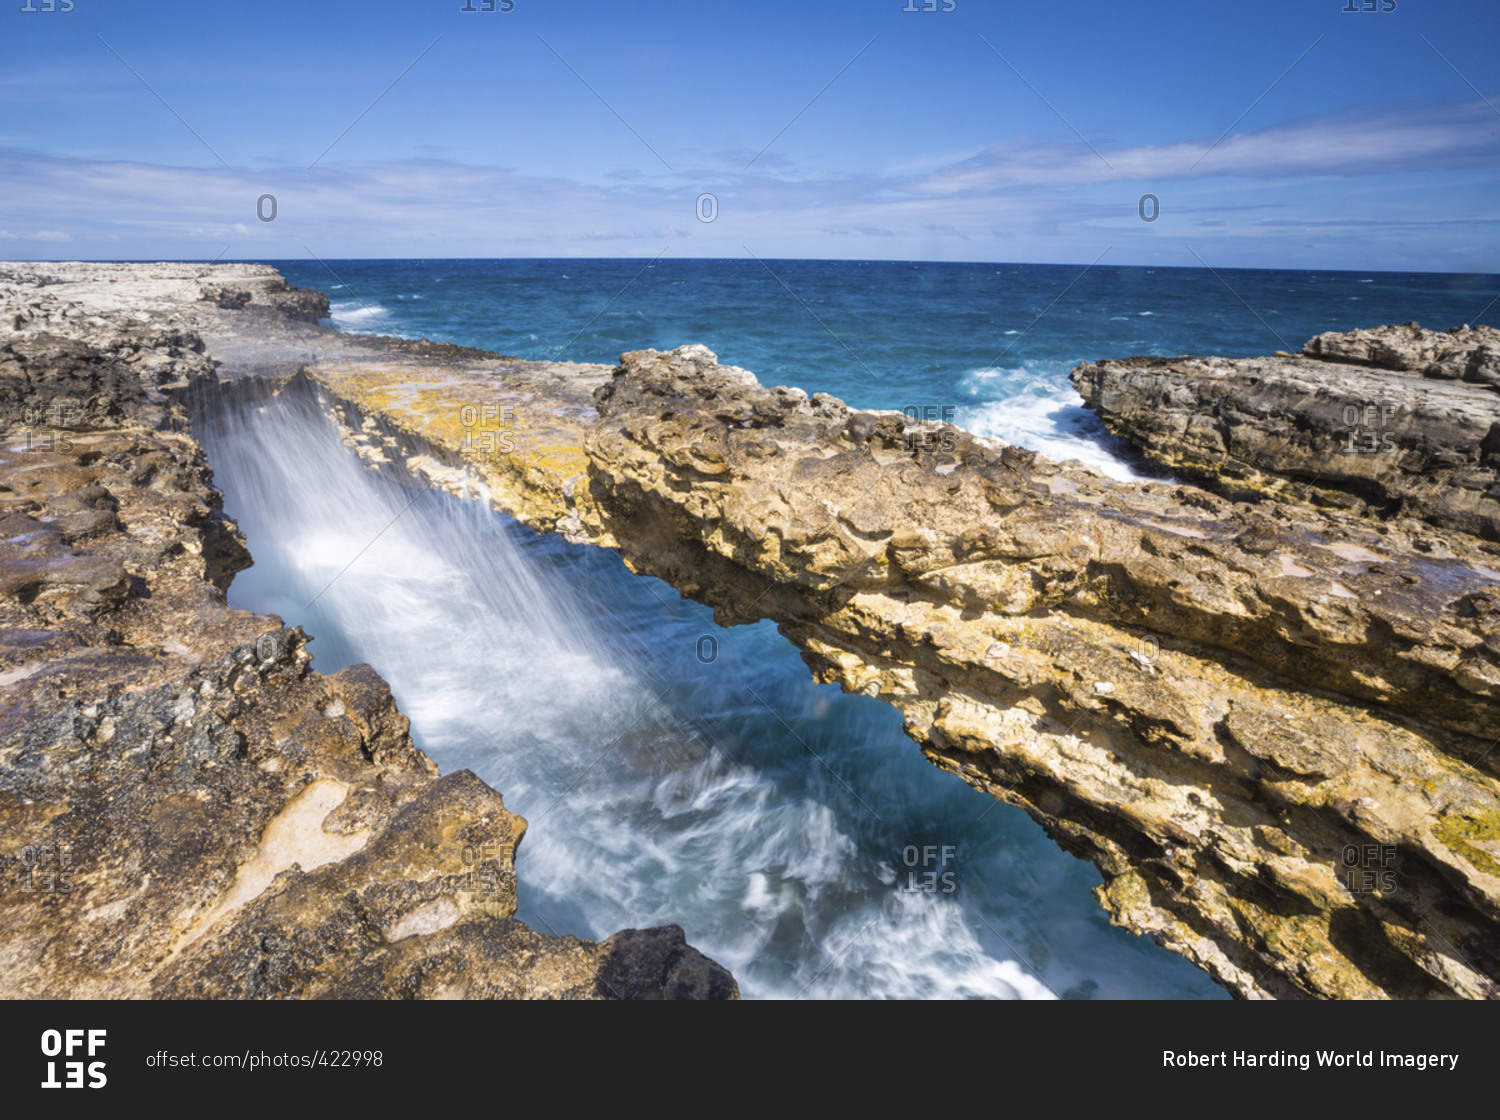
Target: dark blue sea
994,340
675,771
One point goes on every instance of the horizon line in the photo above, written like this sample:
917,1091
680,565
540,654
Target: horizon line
738,260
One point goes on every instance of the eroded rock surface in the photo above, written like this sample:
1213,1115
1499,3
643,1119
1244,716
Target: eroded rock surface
1248,716
1462,354
187,808
1395,422
1268,723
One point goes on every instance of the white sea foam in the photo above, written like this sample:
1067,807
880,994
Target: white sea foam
918,946
1041,411
359,318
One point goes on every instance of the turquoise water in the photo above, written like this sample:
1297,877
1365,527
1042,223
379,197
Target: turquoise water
675,771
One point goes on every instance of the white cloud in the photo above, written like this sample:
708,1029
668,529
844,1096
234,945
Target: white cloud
1431,138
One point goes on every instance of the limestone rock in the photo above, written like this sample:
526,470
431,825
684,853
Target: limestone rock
1309,696
1393,423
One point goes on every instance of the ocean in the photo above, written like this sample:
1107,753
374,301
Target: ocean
994,341
675,771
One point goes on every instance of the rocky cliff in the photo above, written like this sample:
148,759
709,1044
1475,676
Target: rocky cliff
1396,422
1262,724
1267,722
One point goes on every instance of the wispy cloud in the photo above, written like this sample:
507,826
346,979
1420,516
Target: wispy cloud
43,235
1441,138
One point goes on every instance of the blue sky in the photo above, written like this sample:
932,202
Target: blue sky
1008,132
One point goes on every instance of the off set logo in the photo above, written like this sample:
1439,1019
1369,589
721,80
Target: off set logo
74,1046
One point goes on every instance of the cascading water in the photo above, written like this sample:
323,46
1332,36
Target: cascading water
671,770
